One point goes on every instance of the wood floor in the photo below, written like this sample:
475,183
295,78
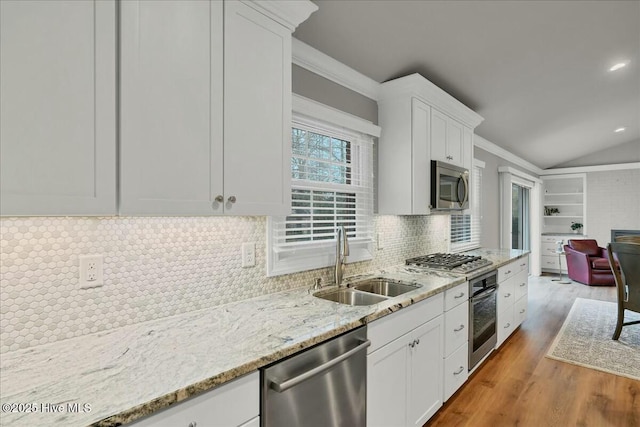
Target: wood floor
518,386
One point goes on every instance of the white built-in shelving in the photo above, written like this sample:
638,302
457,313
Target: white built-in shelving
568,195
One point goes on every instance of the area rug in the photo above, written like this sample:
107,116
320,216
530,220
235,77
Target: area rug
585,339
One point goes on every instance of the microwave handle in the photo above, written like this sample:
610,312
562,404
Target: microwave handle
466,190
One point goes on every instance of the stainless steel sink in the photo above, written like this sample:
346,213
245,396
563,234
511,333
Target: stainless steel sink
351,297
388,288
367,292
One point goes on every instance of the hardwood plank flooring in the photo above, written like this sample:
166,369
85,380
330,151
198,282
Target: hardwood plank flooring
518,386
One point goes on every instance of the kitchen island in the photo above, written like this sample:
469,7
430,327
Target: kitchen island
127,373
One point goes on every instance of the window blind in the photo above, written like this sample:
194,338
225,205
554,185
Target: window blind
465,229
332,186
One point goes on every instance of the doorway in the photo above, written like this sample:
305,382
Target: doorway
520,213
520,218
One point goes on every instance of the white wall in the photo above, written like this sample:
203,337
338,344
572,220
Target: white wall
613,202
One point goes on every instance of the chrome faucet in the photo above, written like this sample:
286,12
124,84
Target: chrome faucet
342,251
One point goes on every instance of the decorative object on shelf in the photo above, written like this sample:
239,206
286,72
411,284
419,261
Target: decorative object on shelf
576,227
548,211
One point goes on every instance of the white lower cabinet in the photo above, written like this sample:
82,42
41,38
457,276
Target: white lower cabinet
456,339
456,370
236,403
512,297
404,375
505,324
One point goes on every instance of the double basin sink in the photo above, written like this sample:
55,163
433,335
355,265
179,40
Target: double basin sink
367,292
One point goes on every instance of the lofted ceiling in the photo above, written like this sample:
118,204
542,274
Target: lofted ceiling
537,71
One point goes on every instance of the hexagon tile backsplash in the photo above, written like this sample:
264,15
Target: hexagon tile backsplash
154,268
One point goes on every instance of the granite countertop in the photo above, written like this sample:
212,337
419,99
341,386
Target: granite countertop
129,372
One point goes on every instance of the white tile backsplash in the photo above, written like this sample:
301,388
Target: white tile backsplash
154,268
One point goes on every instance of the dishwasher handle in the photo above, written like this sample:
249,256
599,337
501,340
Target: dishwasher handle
286,385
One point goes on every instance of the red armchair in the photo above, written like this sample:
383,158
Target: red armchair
587,263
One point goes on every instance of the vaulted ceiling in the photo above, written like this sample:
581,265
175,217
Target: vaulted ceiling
537,71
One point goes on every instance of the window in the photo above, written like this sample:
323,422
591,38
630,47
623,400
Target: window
332,186
465,229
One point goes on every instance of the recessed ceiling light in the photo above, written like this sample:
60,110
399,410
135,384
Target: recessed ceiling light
619,65
620,130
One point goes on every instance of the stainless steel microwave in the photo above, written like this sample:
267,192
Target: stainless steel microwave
449,187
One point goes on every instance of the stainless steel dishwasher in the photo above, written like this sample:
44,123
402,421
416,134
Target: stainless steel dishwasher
324,386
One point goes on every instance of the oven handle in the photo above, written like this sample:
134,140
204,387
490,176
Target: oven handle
484,295
286,385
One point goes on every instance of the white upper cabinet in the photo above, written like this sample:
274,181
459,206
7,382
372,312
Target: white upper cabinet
420,123
257,113
171,107
447,142
206,106
57,107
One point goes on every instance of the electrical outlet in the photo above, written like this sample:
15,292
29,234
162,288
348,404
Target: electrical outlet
91,271
249,254
380,241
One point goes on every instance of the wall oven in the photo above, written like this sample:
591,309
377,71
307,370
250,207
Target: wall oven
482,316
449,187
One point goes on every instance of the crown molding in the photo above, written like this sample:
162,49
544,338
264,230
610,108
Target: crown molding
519,173
418,86
317,110
492,148
597,168
325,66
288,13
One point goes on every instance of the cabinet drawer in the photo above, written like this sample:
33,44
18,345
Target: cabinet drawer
506,294
456,328
549,249
550,239
231,404
388,328
520,284
506,324
456,296
456,370
507,271
523,263
520,309
550,262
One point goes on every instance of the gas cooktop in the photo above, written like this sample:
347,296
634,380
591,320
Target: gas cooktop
456,263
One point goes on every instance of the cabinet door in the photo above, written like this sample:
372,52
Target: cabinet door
438,136
520,310
236,403
420,160
456,323
387,384
521,284
506,324
456,370
257,115
57,108
506,294
171,107
454,142
425,372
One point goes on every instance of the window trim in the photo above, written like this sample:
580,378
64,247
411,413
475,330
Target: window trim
475,214
312,255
